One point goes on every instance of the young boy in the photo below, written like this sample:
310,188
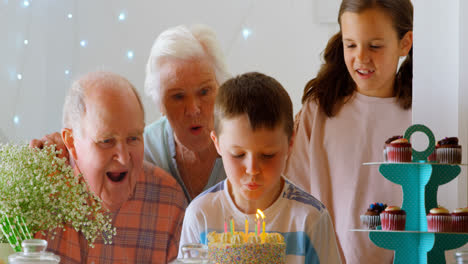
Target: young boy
254,134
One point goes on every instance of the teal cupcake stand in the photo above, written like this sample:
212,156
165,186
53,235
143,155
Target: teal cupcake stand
420,181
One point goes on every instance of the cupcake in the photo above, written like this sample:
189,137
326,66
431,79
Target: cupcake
433,157
460,220
371,219
439,220
397,149
387,142
449,151
393,218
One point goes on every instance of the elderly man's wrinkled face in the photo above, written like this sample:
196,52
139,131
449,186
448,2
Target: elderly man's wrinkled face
188,92
110,149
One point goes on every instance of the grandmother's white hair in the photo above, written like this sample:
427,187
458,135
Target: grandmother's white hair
183,42
75,102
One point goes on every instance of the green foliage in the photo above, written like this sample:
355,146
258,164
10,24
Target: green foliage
40,187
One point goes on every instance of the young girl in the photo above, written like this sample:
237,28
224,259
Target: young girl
358,100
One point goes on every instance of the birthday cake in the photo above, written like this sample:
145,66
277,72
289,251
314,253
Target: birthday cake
242,248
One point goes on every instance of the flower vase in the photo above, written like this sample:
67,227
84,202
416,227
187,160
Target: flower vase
5,251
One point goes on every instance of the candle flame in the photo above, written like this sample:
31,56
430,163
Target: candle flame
261,213
258,216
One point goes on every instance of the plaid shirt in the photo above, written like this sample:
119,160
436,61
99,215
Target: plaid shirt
148,226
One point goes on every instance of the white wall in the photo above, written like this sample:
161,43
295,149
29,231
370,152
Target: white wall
462,184
286,41
439,83
463,101
440,75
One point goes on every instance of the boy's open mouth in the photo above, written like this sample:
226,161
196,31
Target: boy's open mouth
196,129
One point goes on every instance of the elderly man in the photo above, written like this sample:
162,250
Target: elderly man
103,122
184,70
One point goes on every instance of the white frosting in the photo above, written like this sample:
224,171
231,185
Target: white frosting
225,238
213,237
461,210
392,208
254,239
274,238
237,239
439,210
400,140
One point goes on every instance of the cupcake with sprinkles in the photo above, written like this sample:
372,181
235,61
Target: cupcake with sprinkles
449,151
371,219
460,220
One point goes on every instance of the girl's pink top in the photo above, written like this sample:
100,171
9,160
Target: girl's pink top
327,161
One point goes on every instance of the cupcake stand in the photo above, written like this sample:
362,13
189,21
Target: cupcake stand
420,181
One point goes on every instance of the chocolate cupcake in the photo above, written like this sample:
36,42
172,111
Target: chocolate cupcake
393,218
449,151
433,157
387,142
460,220
371,219
397,149
439,220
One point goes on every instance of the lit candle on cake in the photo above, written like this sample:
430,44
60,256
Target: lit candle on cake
257,226
225,226
232,226
263,235
246,227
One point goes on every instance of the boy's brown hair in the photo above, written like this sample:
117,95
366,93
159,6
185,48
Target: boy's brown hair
262,98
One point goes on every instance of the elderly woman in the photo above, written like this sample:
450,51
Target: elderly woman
183,73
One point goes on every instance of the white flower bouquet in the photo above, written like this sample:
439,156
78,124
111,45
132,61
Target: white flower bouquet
39,192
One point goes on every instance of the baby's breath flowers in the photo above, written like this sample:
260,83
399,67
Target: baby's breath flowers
42,189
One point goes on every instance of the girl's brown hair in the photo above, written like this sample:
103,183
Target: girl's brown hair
333,82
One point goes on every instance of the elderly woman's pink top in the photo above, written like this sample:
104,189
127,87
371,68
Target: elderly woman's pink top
327,159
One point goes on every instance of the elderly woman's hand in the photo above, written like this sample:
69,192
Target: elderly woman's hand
51,139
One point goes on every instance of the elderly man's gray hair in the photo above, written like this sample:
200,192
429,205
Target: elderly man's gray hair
182,42
74,108
75,102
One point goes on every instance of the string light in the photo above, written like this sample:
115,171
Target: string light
246,33
122,16
130,54
15,75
